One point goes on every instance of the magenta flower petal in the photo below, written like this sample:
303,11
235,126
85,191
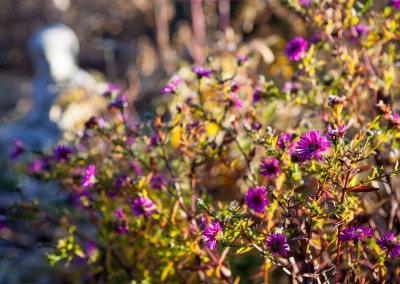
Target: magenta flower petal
255,199
311,144
296,48
212,234
277,244
269,167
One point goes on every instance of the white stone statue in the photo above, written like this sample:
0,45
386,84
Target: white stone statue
54,50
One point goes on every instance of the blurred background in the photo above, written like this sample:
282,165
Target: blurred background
138,44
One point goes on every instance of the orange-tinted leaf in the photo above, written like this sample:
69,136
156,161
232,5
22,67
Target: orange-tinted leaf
362,188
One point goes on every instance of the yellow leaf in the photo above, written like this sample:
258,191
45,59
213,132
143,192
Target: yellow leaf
176,137
166,271
212,129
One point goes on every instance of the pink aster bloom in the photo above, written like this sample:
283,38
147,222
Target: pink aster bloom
142,206
269,167
277,244
171,86
212,234
121,222
18,148
255,199
296,48
237,102
389,243
395,4
355,234
89,176
311,144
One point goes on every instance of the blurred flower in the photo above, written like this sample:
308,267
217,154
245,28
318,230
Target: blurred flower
120,102
89,176
277,244
335,134
315,38
90,248
296,48
256,126
311,144
395,4
62,152
269,167
361,29
111,88
158,181
200,71
304,3
390,244
38,165
171,86
135,166
119,181
142,206
256,94
354,234
282,140
153,140
235,87
241,59
121,222
212,234
236,101
255,199
395,120
18,148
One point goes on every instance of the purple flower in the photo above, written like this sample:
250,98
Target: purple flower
212,234
121,222
256,126
111,88
62,153
18,148
354,234
120,102
119,182
389,243
135,166
235,87
38,165
335,134
142,206
201,72
241,59
311,144
89,176
282,140
395,120
270,167
315,38
235,101
296,48
171,86
255,199
158,181
153,140
304,3
277,244
90,248
361,29
395,4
